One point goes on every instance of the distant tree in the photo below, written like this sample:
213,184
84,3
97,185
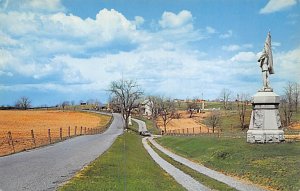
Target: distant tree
64,104
296,95
124,94
225,98
23,103
166,111
214,119
242,101
287,104
179,103
192,106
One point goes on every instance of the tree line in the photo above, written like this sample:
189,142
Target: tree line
126,93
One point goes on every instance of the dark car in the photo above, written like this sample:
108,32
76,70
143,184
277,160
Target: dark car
145,133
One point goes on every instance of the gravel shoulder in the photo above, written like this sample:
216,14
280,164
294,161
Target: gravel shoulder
47,167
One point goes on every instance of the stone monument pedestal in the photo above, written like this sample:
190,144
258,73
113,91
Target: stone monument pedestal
265,124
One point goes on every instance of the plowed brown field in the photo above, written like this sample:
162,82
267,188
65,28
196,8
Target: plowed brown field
185,124
20,124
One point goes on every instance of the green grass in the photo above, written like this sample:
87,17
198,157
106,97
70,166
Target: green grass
133,165
271,165
205,180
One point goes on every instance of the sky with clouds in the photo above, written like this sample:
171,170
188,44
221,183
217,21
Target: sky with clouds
57,50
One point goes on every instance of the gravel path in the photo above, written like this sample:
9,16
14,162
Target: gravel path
232,182
184,179
47,167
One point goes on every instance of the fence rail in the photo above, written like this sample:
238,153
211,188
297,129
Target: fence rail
290,135
16,141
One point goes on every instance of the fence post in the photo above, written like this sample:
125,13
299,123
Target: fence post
49,136
193,131
200,129
81,130
10,140
69,131
32,137
88,131
207,129
60,133
75,130
85,130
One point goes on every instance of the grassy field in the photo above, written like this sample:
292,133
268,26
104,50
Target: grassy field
125,165
20,123
275,166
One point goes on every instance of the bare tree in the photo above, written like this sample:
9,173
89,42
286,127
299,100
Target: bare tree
286,104
225,97
242,101
166,111
192,106
296,95
23,103
64,104
125,93
214,119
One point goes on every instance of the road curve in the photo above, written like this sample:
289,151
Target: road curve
142,125
47,167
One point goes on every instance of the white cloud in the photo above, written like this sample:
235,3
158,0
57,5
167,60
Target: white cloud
276,44
171,20
277,5
228,34
138,20
235,47
210,30
232,47
43,6
244,57
287,65
2,73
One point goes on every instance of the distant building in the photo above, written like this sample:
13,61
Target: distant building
146,107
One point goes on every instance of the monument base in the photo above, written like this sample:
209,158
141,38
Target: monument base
265,136
265,124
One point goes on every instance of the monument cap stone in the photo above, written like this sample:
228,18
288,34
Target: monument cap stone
265,98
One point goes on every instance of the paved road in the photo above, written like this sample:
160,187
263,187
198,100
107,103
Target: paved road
232,182
142,125
45,168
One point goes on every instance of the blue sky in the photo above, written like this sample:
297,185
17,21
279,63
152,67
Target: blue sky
57,50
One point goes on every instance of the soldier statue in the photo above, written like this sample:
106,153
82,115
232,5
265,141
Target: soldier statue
266,64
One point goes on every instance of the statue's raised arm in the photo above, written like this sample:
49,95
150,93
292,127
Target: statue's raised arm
266,63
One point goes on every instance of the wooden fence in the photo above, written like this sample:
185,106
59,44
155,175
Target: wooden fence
16,141
290,135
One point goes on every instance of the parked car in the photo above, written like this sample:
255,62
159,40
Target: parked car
145,133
